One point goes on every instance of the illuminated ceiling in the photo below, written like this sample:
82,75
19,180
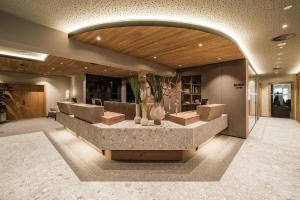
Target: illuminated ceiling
173,47
251,23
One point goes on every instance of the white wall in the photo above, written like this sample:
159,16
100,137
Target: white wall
78,87
55,86
265,93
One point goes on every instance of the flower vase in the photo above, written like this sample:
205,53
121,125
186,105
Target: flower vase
157,113
137,118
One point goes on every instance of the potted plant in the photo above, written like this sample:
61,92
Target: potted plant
135,87
157,112
4,98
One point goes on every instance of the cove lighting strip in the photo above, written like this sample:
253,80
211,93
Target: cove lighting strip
16,53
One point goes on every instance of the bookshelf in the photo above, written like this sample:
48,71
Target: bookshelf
191,92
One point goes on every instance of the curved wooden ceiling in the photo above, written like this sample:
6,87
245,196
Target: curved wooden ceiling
54,65
174,47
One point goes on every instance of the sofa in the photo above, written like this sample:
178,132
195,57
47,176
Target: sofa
128,109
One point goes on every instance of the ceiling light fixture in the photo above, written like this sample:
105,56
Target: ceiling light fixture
61,63
287,7
200,45
154,57
284,26
85,67
219,58
280,47
28,55
179,65
98,38
105,70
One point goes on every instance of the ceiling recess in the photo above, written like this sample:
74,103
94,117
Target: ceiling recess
283,37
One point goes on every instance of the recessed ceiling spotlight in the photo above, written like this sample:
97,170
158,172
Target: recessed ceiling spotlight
284,26
61,63
85,67
179,65
200,45
219,58
281,44
53,68
287,7
98,38
280,47
105,70
154,57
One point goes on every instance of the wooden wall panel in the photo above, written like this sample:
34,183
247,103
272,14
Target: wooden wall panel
27,101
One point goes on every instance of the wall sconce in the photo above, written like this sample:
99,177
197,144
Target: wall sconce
67,95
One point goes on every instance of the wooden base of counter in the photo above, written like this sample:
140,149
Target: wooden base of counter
148,155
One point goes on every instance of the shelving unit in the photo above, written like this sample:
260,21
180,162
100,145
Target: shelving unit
191,92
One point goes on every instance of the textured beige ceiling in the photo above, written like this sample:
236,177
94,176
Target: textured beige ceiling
251,23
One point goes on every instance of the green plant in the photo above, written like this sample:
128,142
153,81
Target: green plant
4,97
156,83
135,87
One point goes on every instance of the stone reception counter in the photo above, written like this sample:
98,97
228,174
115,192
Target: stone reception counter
129,141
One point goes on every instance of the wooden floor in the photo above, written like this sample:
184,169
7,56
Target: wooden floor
209,163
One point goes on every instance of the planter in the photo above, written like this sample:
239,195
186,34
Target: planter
144,120
157,113
137,118
2,117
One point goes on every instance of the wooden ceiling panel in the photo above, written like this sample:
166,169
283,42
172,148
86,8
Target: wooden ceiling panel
174,47
60,66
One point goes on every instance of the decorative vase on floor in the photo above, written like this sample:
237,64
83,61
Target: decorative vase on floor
157,113
137,118
144,120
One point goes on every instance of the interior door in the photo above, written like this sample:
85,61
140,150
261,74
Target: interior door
27,101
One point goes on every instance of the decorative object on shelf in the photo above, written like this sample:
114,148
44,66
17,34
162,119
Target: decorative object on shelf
4,98
191,95
135,87
157,112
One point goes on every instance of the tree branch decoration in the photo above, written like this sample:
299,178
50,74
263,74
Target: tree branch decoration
156,83
135,87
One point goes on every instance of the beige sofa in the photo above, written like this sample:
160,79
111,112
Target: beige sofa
128,109
65,107
88,112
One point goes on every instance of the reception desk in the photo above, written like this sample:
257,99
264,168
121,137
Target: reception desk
126,140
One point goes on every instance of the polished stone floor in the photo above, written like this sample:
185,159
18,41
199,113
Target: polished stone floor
39,160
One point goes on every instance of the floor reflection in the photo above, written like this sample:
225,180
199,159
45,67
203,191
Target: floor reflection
209,163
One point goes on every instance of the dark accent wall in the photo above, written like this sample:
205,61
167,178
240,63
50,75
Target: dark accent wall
226,83
102,87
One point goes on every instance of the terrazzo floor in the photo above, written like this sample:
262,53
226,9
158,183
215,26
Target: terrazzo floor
265,166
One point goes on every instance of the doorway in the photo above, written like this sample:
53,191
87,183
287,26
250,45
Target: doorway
281,100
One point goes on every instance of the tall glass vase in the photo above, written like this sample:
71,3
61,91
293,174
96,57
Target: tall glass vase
137,118
144,120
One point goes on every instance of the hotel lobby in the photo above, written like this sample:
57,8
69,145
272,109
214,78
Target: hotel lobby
149,99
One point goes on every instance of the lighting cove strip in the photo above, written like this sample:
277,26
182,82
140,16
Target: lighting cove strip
28,55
